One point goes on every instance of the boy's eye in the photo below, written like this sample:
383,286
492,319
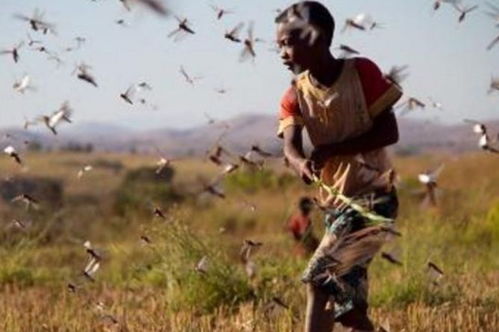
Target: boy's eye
285,42
291,41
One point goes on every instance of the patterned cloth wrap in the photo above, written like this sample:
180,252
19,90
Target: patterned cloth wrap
350,290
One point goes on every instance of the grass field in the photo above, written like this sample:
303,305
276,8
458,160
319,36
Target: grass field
154,286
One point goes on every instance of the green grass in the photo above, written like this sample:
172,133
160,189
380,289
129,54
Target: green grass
159,281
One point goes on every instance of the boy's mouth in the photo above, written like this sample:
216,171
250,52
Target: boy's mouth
288,64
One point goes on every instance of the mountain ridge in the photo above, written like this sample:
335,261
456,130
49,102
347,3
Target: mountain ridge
416,136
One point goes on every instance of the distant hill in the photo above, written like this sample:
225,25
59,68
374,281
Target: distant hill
423,136
416,136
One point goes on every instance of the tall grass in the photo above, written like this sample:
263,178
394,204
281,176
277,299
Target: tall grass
155,287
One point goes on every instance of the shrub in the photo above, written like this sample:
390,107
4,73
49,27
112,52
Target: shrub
78,147
492,222
44,189
407,151
142,186
252,181
15,269
177,251
112,165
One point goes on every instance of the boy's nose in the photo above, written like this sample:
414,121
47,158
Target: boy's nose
283,54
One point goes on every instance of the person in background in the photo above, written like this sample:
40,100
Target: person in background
300,226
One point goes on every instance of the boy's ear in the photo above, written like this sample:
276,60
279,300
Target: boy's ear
313,35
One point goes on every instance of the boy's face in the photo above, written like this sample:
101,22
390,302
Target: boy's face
296,53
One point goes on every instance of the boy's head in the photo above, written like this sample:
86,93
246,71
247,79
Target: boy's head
305,205
304,32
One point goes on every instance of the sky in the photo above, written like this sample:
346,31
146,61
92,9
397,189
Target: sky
447,61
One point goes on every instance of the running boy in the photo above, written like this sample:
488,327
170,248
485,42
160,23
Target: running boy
346,107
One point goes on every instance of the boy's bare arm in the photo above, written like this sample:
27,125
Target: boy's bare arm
384,132
293,151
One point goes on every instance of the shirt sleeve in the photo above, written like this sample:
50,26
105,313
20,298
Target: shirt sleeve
380,94
289,111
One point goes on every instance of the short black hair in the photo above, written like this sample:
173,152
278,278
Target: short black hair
313,13
305,204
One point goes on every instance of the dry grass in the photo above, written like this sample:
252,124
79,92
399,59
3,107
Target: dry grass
137,283
35,309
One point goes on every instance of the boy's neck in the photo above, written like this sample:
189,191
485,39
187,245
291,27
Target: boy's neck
304,214
326,69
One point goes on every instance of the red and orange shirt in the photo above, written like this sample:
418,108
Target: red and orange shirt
341,112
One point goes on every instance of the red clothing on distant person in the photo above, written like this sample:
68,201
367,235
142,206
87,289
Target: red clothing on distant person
298,225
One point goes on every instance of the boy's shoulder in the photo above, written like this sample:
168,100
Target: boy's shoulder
367,69
379,92
364,63
289,102
364,66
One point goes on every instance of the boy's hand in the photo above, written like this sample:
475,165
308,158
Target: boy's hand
305,170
